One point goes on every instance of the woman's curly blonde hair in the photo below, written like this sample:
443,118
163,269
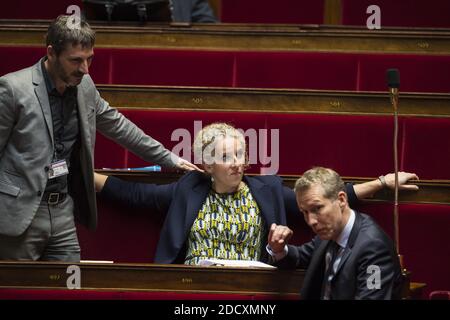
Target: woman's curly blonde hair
209,135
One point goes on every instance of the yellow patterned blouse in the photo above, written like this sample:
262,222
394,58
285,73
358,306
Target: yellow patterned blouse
228,226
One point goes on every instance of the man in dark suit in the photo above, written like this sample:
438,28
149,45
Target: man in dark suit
350,257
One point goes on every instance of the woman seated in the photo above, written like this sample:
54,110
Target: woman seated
219,213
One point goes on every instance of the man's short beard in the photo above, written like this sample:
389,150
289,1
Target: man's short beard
60,72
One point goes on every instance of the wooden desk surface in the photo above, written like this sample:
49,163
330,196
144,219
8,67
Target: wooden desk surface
152,277
160,278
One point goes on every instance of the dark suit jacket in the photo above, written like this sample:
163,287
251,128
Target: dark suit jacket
192,11
367,245
183,199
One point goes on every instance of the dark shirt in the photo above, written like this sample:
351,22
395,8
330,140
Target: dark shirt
65,127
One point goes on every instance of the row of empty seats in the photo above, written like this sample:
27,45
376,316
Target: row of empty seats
249,69
404,13
399,13
351,144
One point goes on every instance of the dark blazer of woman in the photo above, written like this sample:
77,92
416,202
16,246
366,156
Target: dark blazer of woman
182,200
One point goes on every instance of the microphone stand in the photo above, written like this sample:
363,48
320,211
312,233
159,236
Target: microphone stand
405,288
394,102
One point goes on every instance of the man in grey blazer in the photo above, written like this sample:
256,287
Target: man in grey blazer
350,258
49,114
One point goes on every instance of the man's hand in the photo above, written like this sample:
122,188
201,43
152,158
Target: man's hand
403,177
278,237
186,165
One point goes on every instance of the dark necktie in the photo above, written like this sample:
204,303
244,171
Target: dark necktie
330,258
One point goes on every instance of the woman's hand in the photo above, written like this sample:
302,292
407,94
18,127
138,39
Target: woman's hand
99,181
403,178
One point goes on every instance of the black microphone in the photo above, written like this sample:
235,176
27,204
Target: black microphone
393,82
393,78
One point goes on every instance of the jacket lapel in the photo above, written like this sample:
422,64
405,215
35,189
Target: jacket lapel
42,95
312,284
351,241
264,198
196,198
83,117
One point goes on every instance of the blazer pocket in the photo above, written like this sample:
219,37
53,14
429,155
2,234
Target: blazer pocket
9,189
90,112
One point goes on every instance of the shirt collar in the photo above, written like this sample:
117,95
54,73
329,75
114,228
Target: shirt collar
48,81
345,234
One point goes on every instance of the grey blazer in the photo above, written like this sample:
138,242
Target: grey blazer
26,147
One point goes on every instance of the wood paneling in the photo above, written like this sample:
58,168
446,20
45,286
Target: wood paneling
317,38
153,277
430,191
273,100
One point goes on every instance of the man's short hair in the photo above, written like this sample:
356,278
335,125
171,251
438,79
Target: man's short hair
59,34
327,178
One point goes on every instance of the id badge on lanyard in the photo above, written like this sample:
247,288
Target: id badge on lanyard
57,169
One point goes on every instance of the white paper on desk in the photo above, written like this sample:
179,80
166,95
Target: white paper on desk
235,263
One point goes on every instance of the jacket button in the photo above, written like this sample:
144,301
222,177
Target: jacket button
39,193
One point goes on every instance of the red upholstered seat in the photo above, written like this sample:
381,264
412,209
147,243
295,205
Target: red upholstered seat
123,235
19,57
172,67
427,147
22,57
418,73
101,66
352,145
400,13
267,11
321,71
300,70
424,243
109,154
382,212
